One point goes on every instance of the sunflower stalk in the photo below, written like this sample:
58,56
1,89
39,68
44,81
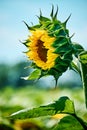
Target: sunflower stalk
84,80
83,61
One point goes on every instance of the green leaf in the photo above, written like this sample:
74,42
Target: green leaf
68,123
63,105
35,74
83,60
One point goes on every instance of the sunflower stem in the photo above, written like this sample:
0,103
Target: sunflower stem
84,80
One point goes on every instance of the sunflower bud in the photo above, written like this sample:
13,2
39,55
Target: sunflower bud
49,46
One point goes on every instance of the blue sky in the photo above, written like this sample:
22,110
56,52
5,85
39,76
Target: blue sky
12,29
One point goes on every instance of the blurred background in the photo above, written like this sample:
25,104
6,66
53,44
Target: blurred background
12,31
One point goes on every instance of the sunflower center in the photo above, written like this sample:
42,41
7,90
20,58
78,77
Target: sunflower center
42,51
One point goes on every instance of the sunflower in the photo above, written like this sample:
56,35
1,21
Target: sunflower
41,50
49,46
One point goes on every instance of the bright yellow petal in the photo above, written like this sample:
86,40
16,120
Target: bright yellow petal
40,49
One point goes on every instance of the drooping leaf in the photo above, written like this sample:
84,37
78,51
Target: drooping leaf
63,105
68,123
35,74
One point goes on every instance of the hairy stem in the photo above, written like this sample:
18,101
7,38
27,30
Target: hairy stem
84,79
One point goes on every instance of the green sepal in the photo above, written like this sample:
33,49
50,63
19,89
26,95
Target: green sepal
42,19
67,32
60,41
54,16
54,72
60,32
46,25
63,49
60,68
33,65
60,62
52,11
77,48
64,23
67,55
26,42
54,26
35,27
29,28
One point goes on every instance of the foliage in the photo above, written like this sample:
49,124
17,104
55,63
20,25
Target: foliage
44,117
62,106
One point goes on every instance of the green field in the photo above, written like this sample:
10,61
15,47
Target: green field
13,100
